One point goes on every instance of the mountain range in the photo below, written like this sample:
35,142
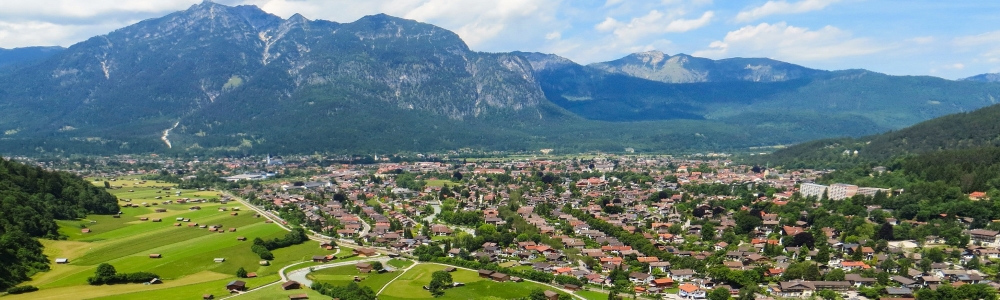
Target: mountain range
216,78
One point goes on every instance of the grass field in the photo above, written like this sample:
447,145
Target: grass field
275,292
399,263
345,274
187,266
410,286
591,295
440,182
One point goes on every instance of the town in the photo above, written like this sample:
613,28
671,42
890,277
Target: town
621,225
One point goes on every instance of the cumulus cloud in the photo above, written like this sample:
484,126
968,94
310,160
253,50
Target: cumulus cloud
783,42
653,23
782,7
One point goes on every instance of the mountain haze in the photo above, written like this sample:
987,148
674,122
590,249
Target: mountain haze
683,68
988,77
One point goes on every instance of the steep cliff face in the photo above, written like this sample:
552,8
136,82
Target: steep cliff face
682,68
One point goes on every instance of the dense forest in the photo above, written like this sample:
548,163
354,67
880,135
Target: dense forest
31,199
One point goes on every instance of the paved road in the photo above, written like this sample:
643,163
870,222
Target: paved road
300,274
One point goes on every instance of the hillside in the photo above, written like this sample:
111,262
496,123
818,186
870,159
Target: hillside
952,132
221,79
18,57
32,199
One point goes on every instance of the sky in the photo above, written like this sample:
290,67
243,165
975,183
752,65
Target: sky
948,39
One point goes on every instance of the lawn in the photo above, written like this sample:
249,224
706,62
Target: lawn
195,291
275,292
591,295
410,286
345,274
399,263
440,182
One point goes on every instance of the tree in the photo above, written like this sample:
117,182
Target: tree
105,270
241,273
885,232
834,275
803,239
439,281
719,294
377,266
973,264
708,232
828,295
457,176
537,294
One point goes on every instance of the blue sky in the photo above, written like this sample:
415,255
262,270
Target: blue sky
949,39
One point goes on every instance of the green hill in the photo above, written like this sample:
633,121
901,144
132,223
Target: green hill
952,132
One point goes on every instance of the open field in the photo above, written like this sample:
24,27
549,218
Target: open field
592,295
410,286
275,292
345,274
440,182
187,265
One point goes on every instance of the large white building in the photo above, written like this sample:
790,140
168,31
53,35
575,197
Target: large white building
838,191
812,189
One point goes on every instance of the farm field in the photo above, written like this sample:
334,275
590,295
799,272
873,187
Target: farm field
187,264
410,286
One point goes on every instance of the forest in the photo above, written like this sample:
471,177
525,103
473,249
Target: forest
31,199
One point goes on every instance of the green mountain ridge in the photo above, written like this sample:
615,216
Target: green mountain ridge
960,131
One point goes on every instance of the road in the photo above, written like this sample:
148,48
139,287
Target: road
300,274
437,210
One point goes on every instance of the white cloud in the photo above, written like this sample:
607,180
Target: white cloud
653,23
782,7
923,40
783,42
555,35
985,45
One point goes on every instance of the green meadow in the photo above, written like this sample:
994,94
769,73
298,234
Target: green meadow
187,266
410,286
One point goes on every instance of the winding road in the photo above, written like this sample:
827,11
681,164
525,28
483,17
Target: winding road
300,274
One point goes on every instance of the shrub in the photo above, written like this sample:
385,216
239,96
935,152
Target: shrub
22,289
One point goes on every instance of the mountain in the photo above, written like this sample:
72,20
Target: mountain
222,79
10,58
952,132
225,76
682,68
804,106
988,77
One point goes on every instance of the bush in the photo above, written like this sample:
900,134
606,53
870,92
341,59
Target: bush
106,274
22,289
262,251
